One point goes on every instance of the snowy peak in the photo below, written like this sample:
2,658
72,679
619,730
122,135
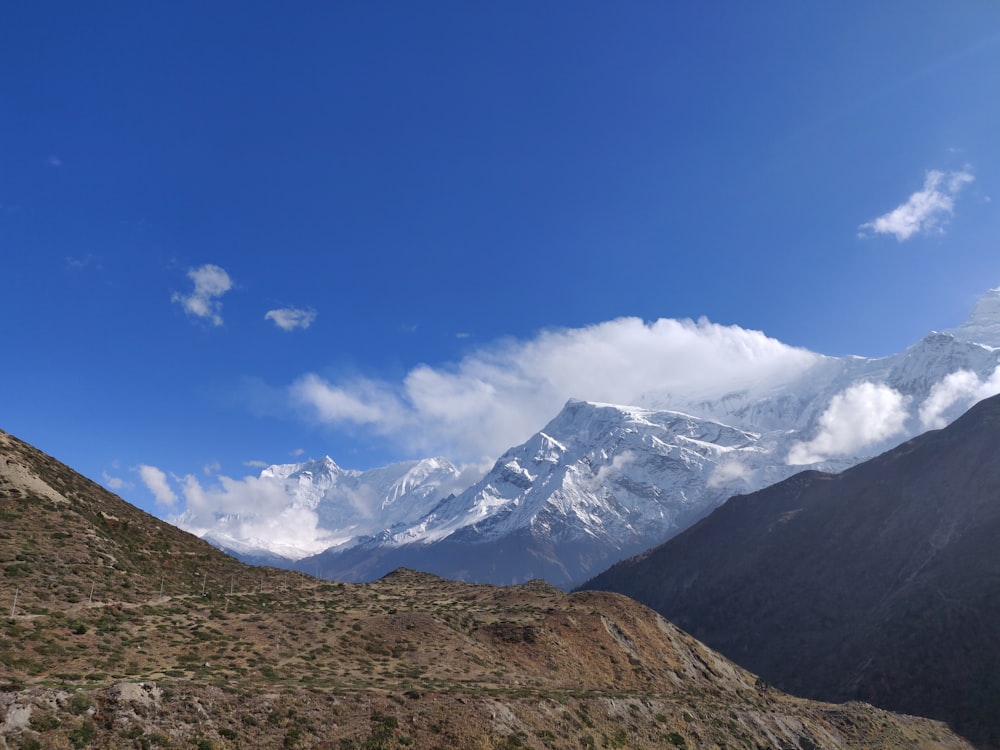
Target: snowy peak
599,471
324,467
983,325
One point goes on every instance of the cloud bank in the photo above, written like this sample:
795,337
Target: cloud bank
258,509
210,283
498,396
857,418
290,318
924,211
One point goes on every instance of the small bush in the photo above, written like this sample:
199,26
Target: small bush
79,703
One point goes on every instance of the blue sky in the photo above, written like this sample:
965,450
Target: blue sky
236,233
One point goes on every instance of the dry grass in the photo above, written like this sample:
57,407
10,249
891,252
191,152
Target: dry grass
229,656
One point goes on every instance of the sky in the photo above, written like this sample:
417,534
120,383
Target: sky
238,234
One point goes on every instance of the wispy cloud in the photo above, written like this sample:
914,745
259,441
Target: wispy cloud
256,464
156,482
499,394
82,262
926,210
859,417
114,483
54,161
210,283
290,318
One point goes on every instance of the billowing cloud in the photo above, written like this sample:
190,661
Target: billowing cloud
961,388
924,211
246,496
857,418
210,283
156,481
266,509
290,318
254,508
498,395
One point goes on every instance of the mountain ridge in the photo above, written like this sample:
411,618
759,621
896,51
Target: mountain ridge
881,583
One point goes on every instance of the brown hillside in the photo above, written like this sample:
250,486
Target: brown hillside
229,656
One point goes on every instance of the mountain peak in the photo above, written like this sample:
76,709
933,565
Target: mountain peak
322,467
983,325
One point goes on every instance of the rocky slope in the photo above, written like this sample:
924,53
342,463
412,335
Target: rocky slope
881,583
127,633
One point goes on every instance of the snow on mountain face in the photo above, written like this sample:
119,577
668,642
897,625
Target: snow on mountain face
601,481
983,326
603,473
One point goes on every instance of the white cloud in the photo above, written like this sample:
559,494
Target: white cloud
727,471
290,318
114,483
924,211
254,509
156,481
962,388
498,395
856,418
256,464
360,402
618,462
210,283
246,496
211,467
267,510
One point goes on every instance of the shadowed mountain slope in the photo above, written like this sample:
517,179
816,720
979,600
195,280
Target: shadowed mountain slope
124,632
881,583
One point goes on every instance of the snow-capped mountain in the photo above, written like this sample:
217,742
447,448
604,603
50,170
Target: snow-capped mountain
598,472
601,481
320,505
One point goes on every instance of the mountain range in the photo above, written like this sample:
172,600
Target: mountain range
601,482
121,631
881,583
